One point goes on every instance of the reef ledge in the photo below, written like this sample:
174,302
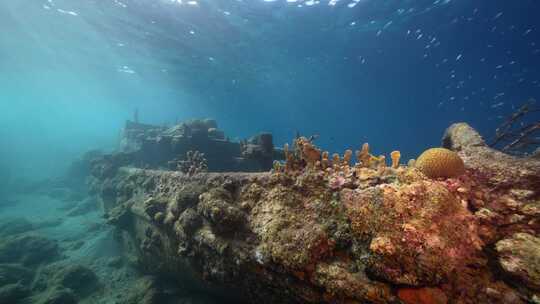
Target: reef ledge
392,237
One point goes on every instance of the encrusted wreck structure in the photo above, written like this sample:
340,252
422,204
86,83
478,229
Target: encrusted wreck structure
461,225
149,146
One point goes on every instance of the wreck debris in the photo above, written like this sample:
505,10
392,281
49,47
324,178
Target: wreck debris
320,229
157,146
519,133
136,115
260,149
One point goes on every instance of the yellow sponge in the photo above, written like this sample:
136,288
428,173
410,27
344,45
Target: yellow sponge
440,162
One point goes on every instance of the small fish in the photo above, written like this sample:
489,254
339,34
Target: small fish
67,12
498,16
458,57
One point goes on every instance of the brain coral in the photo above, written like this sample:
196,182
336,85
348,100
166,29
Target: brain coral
440,162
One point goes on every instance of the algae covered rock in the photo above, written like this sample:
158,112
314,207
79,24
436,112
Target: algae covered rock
216,207
12,226
418,234
14,273
13,293
519,256
80,279
63,282
28,250
85,206
146,291
58,296
422,296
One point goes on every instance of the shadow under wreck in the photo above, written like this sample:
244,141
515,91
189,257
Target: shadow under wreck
458,226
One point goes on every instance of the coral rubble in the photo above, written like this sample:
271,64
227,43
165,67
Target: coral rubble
328,228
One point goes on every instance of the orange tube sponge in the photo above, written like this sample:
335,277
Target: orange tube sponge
440,162
395,155
365,157
311,154
335,159
347,157
381,163
325,162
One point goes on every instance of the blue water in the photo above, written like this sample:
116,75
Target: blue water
392,73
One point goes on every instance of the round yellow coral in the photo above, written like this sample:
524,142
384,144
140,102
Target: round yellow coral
440,162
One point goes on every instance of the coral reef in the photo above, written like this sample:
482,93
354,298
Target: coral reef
323,228
193,163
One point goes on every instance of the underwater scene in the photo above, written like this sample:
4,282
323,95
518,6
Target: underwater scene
269,151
